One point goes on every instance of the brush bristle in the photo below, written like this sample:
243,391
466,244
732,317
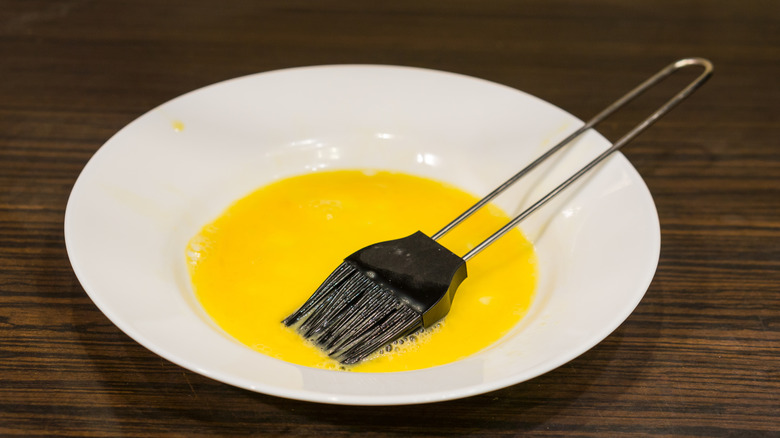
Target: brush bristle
351,315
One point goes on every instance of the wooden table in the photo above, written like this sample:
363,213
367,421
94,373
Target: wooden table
698,357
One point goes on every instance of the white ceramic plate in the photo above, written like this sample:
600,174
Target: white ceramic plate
156,182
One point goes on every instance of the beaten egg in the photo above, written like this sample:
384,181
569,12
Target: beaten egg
267,253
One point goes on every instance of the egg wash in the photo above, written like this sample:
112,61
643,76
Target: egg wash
267,253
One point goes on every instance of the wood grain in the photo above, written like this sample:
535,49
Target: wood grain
698,357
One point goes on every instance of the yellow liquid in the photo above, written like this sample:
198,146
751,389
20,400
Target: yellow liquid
268,252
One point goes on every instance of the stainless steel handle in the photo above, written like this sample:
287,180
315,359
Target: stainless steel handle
646,123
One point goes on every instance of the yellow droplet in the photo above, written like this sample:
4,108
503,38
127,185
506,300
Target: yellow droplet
177,125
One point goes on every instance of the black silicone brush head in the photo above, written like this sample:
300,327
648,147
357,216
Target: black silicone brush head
379,294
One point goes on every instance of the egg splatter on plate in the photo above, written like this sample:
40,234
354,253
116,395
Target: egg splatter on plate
266,254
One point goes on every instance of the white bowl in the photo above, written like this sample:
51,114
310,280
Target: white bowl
157,181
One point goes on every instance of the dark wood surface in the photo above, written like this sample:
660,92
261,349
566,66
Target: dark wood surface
698,357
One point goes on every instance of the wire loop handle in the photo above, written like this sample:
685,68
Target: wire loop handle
646,123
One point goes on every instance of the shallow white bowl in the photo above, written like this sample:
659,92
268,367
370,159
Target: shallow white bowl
156,182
